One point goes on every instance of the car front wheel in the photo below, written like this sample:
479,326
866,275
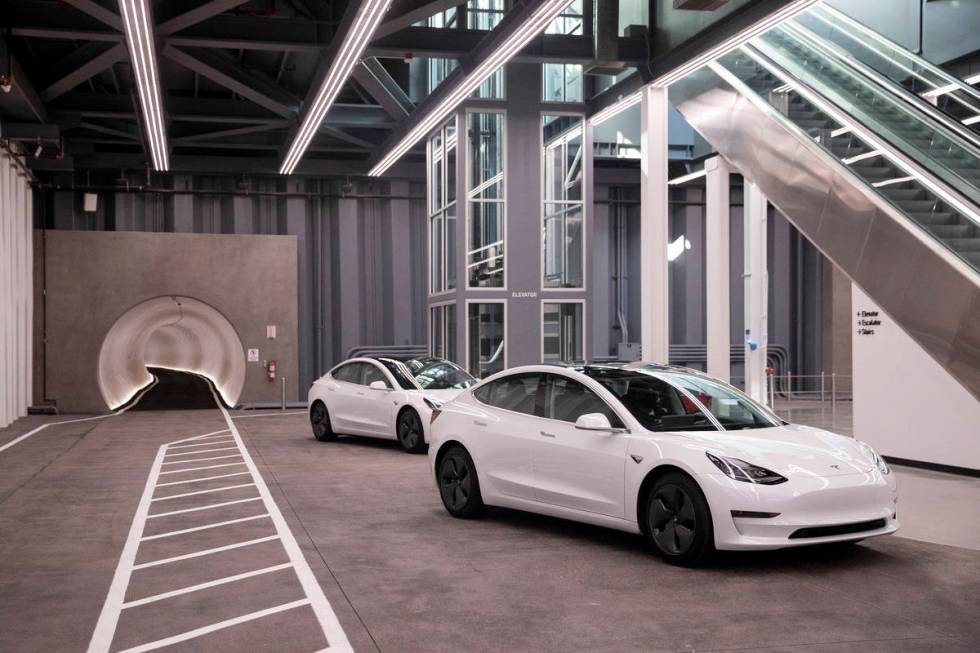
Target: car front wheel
459,486
679,521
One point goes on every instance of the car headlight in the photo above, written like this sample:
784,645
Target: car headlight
878,460
745,472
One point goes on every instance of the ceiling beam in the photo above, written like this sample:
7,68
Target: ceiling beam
97,11
272,125
420,10
227,72
102,129
380,85
340,134
85,72
196,15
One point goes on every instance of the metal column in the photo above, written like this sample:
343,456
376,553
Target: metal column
756,292
654,307
717,268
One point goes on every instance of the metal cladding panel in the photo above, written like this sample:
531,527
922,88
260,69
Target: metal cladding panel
932,295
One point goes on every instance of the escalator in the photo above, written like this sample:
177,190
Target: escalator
866,161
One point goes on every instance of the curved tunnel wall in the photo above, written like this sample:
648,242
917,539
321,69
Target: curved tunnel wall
174,332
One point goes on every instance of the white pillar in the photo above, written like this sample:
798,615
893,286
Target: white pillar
717,268
654,306
756,292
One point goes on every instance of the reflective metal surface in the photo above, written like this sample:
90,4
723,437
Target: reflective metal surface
926,289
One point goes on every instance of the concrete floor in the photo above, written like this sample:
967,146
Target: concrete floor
399,573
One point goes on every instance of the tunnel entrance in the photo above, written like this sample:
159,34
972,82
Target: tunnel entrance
180,339
176,391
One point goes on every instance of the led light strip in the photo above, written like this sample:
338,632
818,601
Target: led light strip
691,176
368,17
707,56
513,44
139,38
732,42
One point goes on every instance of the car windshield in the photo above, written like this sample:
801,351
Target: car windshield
443,375
732,409
400,373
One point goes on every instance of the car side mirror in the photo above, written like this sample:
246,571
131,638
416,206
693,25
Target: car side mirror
378,385
593,422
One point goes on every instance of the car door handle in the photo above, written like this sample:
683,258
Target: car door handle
547,435
479,423
360,394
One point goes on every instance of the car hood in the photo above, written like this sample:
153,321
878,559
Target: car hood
441,396
791,450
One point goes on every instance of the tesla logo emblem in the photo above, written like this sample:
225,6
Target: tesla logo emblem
836,466
636,459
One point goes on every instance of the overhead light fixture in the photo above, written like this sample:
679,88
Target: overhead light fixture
613,109
734,41
691,176
142,52
39,150
369,15
726,46
511,45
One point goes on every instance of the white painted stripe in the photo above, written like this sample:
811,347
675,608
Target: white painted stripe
336,637
202,586
279,414
83,419
196,492
203,528
202,460
206,478
191,469
209,443
205,552
195,453
195,438
105,628
197,632
210,506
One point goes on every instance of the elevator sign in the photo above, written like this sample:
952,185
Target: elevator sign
867,322
253,355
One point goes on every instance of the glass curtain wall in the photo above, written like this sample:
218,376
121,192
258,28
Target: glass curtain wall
485,334
561,82
569,21
442,331
485,200
562,334
442,209
563,211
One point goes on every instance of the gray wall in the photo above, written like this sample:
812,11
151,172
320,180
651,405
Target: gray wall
359,271
88,280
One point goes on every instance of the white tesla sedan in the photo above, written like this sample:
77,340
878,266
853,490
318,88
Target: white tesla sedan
384,398
686,460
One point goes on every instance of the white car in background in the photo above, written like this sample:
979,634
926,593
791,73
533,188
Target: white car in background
686,460
384,398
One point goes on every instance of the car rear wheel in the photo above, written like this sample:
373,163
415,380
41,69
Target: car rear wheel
410,432
679,521
459,486
320,421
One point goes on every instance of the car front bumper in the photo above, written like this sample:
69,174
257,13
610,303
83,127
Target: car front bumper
831,509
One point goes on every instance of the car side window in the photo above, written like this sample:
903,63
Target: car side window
351,373
398,371
372,373
566,399
517,392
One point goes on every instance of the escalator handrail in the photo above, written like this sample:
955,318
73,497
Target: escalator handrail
894,88
895,156
951,80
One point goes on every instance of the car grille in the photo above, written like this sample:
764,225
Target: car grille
839,529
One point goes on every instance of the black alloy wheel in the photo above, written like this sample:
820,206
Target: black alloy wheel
679,521
320,420
459,486
410,431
